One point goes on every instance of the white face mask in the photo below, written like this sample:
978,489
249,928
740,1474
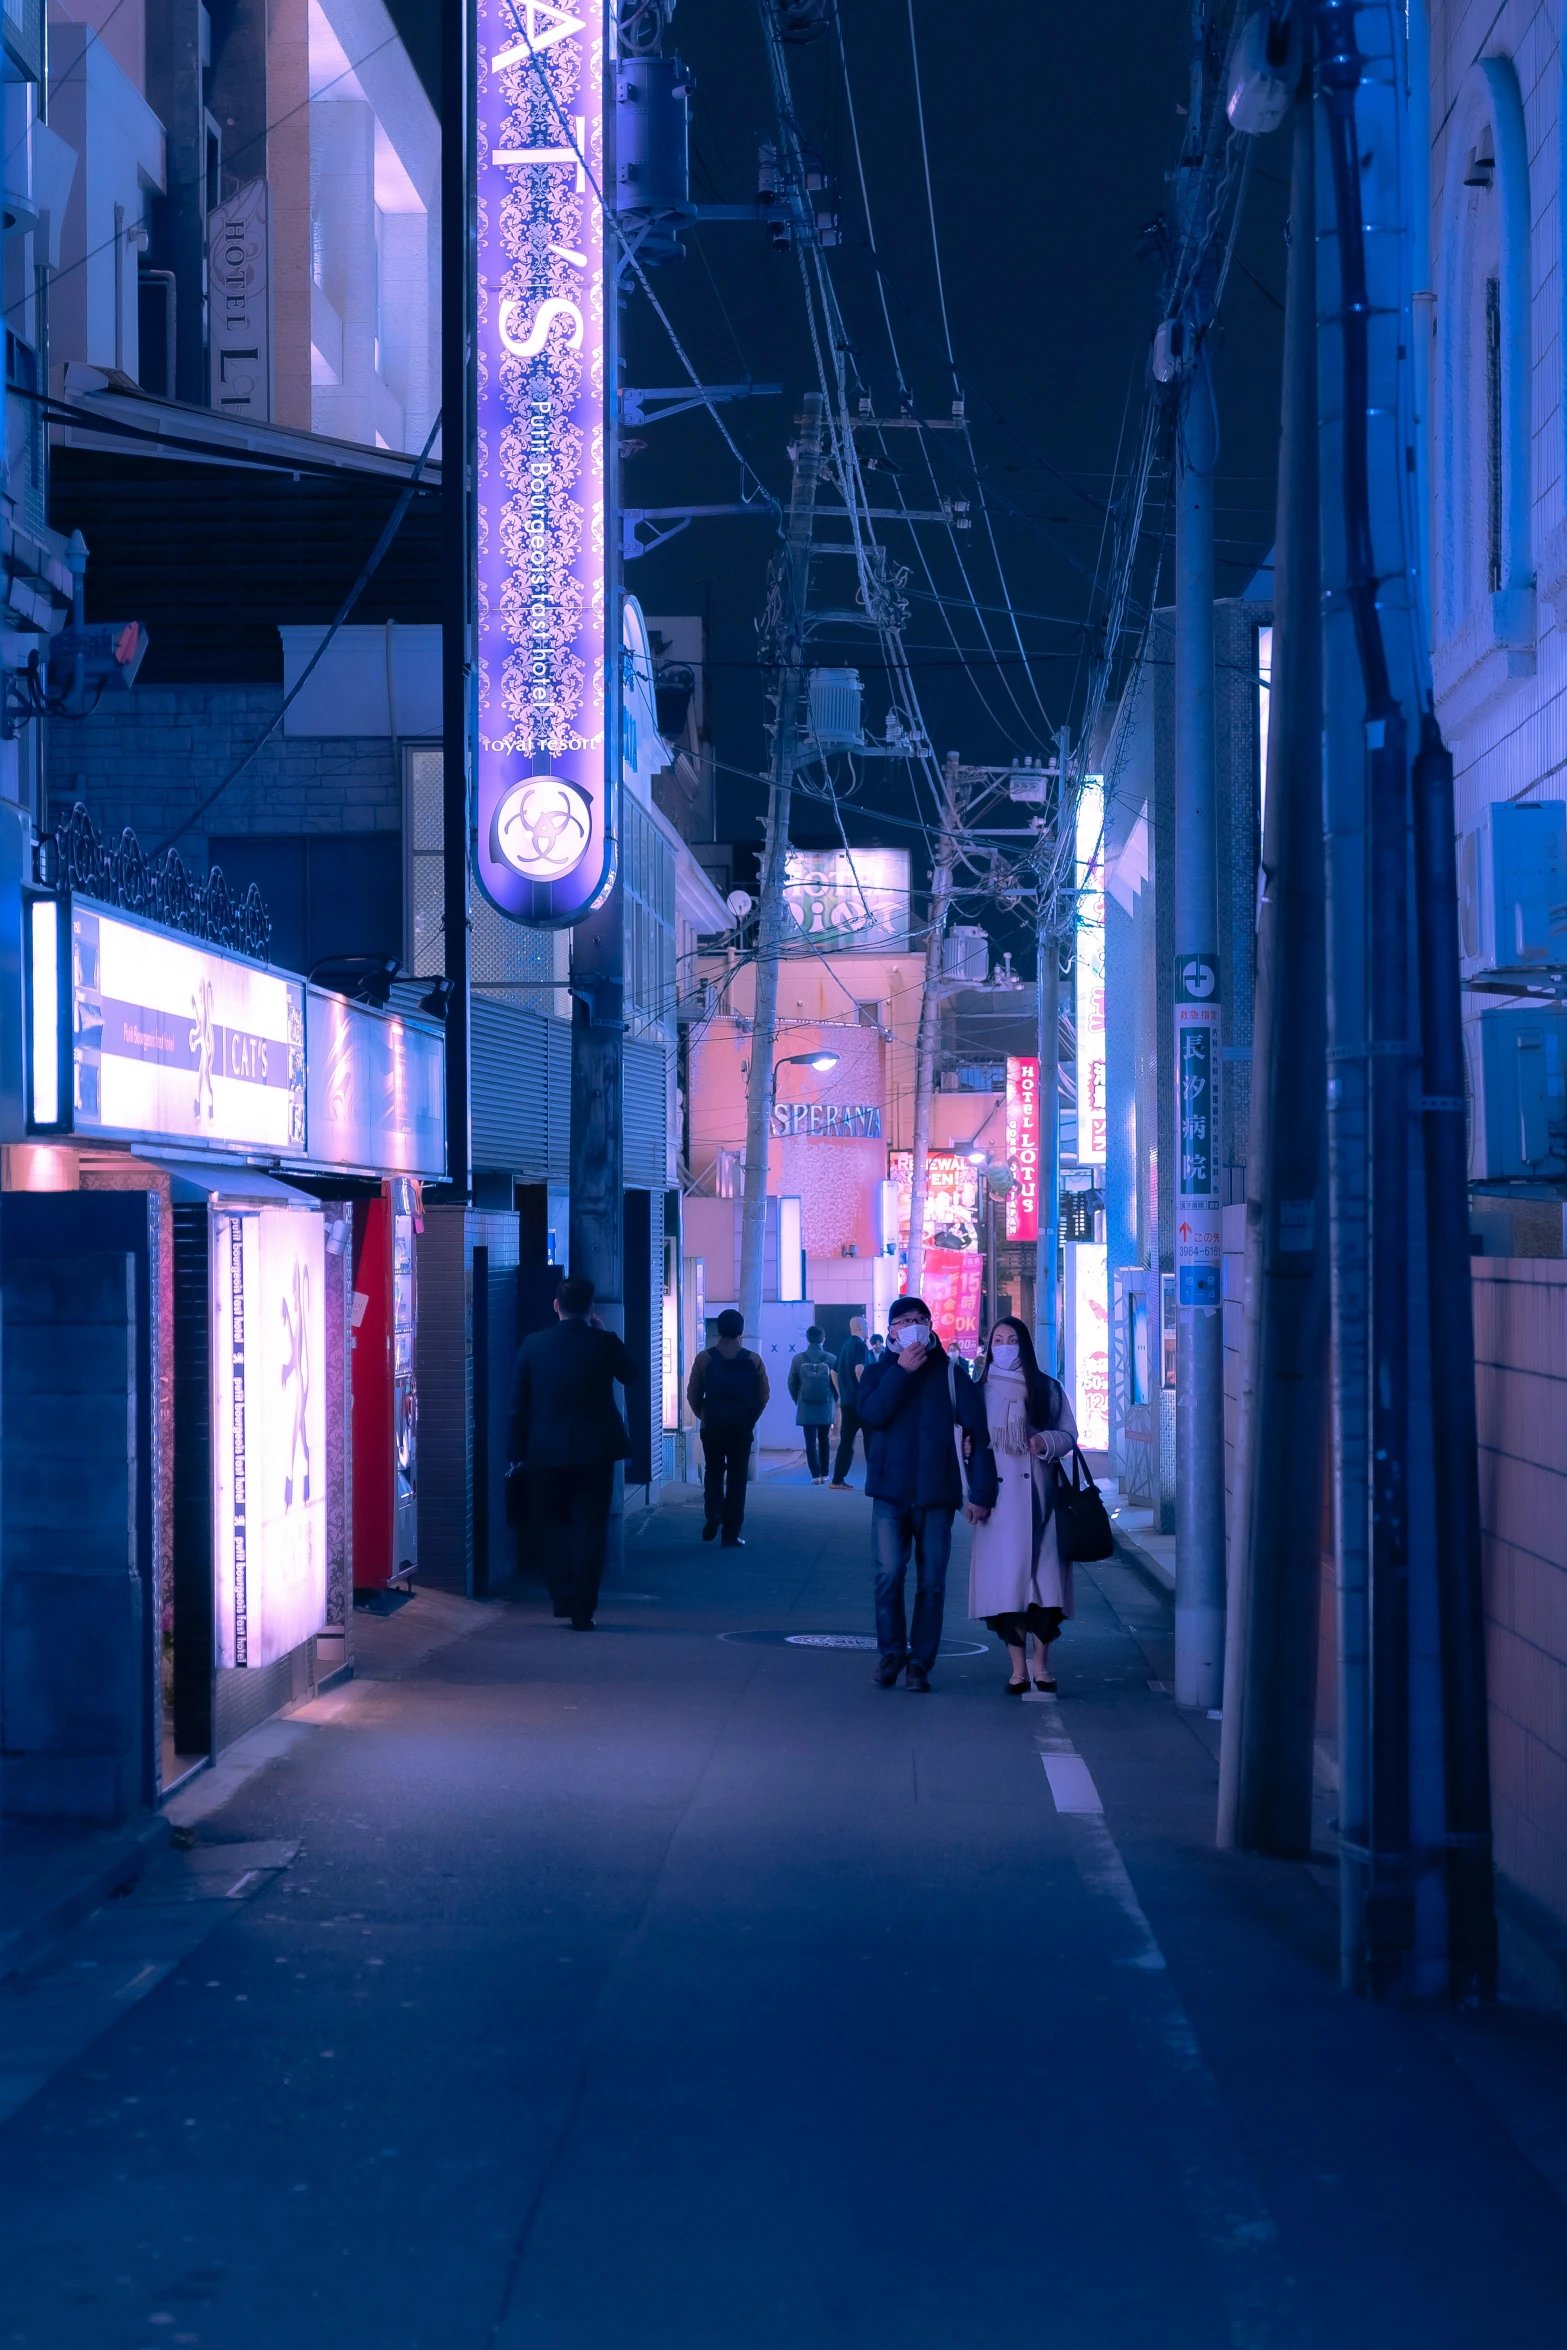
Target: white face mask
1004,1355
911,1334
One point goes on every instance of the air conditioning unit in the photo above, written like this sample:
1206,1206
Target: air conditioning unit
834,702
965,954
1517,1058
1512,888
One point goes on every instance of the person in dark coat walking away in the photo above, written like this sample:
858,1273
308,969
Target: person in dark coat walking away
813,1386
728,1391
566,1426
920,1408
853,1356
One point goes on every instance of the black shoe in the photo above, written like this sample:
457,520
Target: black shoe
917,1679
583,1624
1018,1688
733,1542
710,1530
887,1671
1048,1687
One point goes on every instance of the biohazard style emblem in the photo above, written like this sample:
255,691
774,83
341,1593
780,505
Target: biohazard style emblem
203,1043
296,1386
542,828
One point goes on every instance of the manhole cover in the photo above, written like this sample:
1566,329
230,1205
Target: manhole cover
860,1640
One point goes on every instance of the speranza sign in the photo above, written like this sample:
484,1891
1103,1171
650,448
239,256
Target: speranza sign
1023,1147
546,837
844,1122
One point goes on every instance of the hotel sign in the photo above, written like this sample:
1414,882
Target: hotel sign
545,851
1092,1110
1023,1147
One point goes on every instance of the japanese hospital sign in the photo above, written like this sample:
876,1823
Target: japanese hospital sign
545,849
1199,1203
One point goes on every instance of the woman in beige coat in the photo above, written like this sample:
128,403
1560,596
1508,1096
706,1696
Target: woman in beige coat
1017,1580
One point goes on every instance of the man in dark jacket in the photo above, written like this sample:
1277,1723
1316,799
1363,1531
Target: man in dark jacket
566,1425
853,1356
728,1390
917,1407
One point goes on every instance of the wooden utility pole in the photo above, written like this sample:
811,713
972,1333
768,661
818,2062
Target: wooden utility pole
793,584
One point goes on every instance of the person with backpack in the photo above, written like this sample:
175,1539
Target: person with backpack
926,1433
813,1385
1018,1580
728,1391
853,1356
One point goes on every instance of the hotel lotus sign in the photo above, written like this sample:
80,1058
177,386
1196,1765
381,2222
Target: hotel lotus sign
545,848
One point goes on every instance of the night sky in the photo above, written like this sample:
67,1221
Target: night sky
1050,135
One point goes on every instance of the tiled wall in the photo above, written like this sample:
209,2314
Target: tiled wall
1521,1373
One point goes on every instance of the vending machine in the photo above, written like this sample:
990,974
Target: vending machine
386,1397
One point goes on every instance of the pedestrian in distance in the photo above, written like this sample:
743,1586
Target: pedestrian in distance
853,1356
813,1389
566,1427
926,1436
728,1391
877,1345
1017,1579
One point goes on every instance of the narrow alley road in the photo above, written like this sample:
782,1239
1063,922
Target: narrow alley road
675,1989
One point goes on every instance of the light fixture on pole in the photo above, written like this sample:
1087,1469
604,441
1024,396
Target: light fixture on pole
820,1062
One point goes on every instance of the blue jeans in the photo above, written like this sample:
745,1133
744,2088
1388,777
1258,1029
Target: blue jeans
896,1530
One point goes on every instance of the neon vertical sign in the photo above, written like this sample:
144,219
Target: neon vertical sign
1089,1009
546,832
1023,1147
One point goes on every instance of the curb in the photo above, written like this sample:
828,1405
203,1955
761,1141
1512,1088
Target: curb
1158,1577
110,1872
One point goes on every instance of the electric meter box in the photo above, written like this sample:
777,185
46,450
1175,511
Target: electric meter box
1512,888
1517,1094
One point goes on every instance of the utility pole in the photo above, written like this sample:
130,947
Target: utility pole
1270,1678
792,586
930,1012
1047,1254
1199,1142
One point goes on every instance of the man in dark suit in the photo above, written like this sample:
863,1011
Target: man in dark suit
566,1426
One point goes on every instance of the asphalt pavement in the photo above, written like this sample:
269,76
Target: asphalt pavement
670,1987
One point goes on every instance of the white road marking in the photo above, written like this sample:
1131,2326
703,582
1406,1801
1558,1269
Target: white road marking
1071,1783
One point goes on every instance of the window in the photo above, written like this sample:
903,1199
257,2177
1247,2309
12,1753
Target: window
1493,431
328,893
647,872
505,958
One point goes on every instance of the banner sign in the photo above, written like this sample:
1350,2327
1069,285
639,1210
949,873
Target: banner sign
1089,1003
376,1090
1088,1342
1199,1204
951,1284
269,1432
545,851
175,1042
847,899
1023,1148
951,1199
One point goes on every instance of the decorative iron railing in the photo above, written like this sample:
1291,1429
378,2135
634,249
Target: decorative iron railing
160,888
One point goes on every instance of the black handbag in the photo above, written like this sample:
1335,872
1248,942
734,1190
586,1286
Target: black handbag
1082,1521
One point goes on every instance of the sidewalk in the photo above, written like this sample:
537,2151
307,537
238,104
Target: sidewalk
673,1987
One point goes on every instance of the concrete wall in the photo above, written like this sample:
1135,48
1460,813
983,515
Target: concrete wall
72,1654
1521,1374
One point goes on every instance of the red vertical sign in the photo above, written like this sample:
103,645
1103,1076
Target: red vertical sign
1023,1148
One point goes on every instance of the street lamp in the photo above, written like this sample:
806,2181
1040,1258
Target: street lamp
820,1062
999,1180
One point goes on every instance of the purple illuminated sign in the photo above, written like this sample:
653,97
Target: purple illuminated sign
546,848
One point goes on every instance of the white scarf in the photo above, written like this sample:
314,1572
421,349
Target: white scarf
1006,1406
